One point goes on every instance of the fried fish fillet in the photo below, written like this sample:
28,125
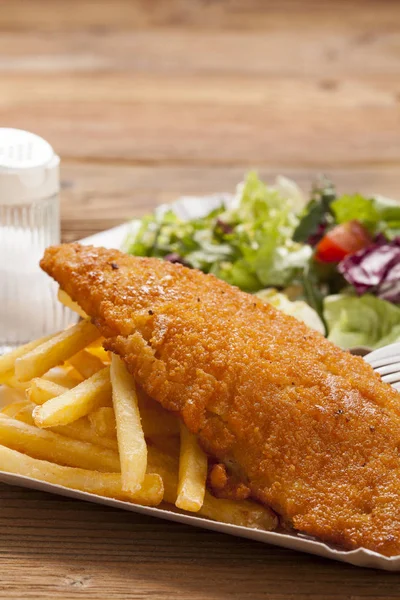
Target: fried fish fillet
310,429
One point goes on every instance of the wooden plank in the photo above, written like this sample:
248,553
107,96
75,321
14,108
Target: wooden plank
231,121
59,548
230,92
96,196
234,14
326,50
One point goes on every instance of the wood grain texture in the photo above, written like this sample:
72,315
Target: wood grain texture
147,100
197,14
323,52
227,121
301,86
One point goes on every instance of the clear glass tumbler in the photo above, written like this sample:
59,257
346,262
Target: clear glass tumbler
29,222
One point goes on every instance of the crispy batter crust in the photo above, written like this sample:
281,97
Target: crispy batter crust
310,429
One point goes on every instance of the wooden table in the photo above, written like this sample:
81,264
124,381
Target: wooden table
145,101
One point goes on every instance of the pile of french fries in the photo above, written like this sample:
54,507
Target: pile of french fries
79,421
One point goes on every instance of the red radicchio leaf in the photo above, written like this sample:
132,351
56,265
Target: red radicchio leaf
174,257
225,227
375,269
317,236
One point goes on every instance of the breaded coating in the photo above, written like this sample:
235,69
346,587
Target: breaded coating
308,428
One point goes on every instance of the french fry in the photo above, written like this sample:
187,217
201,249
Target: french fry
97,350
131,442
66,376
14,407
244,513
192,473
86,363
81,430
93,482
77,402
55,351
167,467
69,303
78,430
15,384
7,361
24,414
41,390
54,447
103,422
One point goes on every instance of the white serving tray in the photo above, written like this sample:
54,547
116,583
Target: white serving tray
113,238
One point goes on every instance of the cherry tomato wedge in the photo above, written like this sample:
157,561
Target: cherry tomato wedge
342,240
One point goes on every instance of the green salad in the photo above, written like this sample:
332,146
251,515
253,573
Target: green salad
331,261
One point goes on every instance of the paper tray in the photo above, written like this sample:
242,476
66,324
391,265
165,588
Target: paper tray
113,238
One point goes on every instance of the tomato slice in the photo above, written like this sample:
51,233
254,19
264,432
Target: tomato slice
342,240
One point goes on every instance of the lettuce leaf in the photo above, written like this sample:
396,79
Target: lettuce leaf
248,244
297,308
356,207
389,211
377,214
361,321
